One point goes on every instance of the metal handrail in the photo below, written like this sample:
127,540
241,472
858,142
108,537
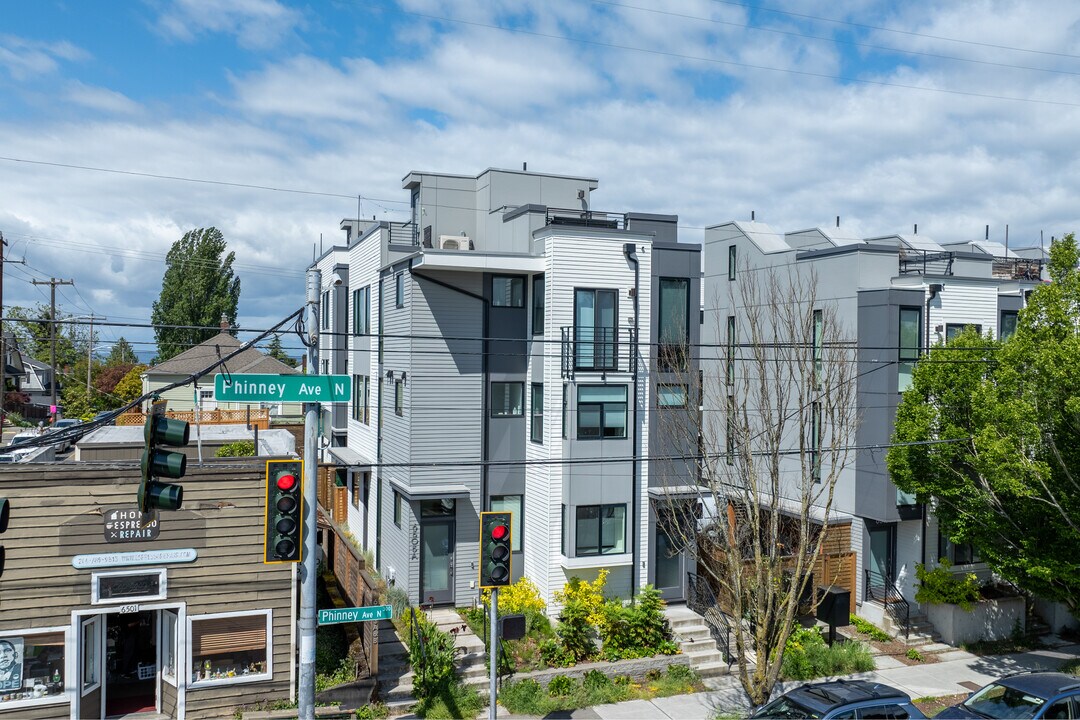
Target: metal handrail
700,599
894,602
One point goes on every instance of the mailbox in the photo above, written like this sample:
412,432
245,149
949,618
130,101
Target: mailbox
512,627
834,606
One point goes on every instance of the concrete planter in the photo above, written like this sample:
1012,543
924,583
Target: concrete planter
989,620
635,668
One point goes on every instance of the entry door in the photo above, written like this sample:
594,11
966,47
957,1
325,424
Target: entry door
91,667
882,562
437,561
669,564
131,660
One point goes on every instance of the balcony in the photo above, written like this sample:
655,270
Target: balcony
1017,269
586,218
922,262
588,349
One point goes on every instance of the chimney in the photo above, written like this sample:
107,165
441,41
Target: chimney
224,323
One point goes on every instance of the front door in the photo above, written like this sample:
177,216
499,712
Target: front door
882,563
669,563
437,561
131,659
91,666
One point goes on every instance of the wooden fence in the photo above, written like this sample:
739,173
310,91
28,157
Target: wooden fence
359,588
256,417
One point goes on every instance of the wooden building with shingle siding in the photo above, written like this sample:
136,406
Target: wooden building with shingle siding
105,618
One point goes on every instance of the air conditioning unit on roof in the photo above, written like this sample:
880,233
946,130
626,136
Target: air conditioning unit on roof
453,242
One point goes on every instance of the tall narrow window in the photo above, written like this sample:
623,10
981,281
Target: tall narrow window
399,290
399,398
325,310
538,305
512,504
819,347
361,391
730,367
732,256
729,454
1007,324
507,291
674,323
910,344
815,442
362,310
564,407
397,508
594,329
537,430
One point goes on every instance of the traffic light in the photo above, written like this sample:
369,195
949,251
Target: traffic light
284,511
5,513
495,549
158,463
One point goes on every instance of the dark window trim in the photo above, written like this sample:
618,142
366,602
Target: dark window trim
685,391
732,261
362,310
672,356
906,355
815,442
730,367
517,524
817,320
399,398
491,395
1015,315
598,344
730,436
536,431
538,304
325,310
399,290
511,278
601,508
565,408
954,329
603,413
397,508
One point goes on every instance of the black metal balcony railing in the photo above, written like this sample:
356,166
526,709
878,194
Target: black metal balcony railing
595,350
586,218
925,263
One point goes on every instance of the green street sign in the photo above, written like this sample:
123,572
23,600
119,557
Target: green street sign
282,388
361,614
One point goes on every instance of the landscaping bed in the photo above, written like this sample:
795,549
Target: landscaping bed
879,640
931,706
564,693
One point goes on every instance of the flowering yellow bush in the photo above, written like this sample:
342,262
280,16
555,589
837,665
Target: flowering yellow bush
521,597
590,596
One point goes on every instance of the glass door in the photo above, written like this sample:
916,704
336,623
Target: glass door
669,564
437,561
91,642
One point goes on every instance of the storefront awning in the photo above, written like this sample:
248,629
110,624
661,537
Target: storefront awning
431,492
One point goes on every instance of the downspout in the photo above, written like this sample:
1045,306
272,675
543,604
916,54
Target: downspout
629,250
935,288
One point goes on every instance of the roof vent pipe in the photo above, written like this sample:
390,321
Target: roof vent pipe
752,216
837,221
916,228
987,232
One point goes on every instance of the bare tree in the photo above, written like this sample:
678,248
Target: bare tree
774,436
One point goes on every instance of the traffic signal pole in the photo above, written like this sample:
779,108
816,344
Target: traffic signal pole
306,626
493,653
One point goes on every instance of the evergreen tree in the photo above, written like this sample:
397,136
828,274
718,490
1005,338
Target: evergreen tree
275,351
121,354
198,289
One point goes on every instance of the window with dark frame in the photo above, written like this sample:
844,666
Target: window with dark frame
910,345
599,530
601,412
815,442
399,397
514,504
595,329
819,347
954,329
673,330
360,398
507,399
538,301
362,311
729,450
397,508
671,395
507,291
1007,324
565,405
355,494
325,310
399,290
730,365
536,431
956,553
732,256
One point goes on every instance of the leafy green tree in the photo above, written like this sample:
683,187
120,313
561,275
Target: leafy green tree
198,289
130,387
1000,427
121,354
31,329
274,350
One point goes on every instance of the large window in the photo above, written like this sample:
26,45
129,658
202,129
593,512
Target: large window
595,329
601,412
600,530
507,291
230,647
910,344
954,329
956,553
730,365
674,323
361,311
819,347
1007,324
30,661
512,504
538,305
507,400
536,431
360,399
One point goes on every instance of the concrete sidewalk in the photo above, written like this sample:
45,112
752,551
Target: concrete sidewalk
958,672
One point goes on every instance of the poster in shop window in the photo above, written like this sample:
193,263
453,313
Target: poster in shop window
11,663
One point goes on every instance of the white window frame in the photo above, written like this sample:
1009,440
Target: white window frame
170,679
69,667
94,620
261,677
96,599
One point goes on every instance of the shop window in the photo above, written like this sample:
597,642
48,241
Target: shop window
512,504
600,530
230,647
507,291
32,668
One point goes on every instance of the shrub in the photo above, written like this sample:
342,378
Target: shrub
869,628
561,685
806,656
1071,667
554,654
914,654
375,711
678,680
575,631
521,597
240,448
637,630
589,595
682,673
345,672
431,654
943,587
596,680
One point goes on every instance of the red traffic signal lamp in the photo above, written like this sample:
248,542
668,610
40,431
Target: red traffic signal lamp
284,531
158,463
495,549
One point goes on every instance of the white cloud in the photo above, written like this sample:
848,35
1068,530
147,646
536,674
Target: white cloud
23,59
255,23
102,99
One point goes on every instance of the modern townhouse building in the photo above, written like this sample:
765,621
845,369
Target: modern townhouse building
502,346
894,296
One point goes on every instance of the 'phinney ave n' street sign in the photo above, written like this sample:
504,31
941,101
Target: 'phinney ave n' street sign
282,388
361,614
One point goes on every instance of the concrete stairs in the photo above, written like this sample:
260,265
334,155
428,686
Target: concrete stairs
396,675
922,631
696,642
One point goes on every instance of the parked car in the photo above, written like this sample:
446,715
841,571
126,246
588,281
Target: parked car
63,425
16,455
1025,695
22,437
104,414
850,699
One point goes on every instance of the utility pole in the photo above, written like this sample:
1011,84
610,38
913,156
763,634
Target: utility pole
52,283
306,628
90,351
3,337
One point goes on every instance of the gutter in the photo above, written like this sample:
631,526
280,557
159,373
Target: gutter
629,250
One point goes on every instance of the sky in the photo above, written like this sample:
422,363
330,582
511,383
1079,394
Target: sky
125,124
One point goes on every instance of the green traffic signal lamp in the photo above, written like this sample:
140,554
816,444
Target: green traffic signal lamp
495,549
156,463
